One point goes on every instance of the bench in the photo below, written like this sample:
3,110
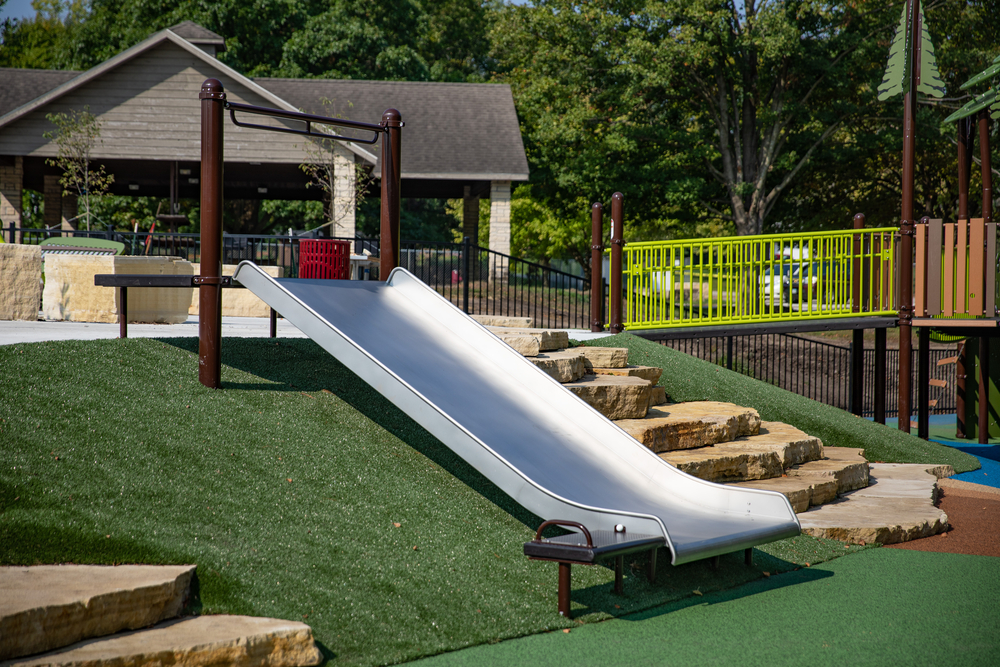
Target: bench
590,548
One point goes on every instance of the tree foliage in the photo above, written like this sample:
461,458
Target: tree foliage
77,133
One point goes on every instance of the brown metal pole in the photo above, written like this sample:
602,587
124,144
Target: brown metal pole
123,314
564,587
984,390
906,226
858,342
617,241
964,166
596,267
213,100
391,165
857,266
984,158
960,375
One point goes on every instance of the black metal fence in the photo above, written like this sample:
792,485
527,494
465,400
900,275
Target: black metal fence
820,370
478,280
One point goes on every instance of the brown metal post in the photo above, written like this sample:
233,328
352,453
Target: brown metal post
617,242
391,165
906,227
964,166
213,101
857,266
858,343
984,157
596,267
984,390
564,588
123,314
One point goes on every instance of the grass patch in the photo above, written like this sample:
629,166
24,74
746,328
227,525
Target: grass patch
686,378
299,492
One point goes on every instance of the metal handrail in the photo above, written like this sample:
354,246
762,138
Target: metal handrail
306,118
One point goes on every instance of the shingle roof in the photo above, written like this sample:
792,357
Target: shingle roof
196,34
20,86
452,130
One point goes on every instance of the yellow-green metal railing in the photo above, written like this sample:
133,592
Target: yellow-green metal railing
752,279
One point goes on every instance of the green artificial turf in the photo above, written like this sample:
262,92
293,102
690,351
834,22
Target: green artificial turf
286,488
686,378
886,606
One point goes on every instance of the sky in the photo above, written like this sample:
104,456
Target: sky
16,9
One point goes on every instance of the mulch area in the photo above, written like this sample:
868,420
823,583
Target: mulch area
974,516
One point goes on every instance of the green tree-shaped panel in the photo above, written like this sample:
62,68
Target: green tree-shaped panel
896,80
930,79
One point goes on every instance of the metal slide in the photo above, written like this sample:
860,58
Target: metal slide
546,448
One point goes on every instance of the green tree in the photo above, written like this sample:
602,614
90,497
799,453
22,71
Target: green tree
76,135
37,43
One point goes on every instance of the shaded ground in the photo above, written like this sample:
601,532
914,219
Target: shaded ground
883,606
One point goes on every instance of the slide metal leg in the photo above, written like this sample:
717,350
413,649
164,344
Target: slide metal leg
123,314
748,556
564,587
274,323
651,570
716,562
619,566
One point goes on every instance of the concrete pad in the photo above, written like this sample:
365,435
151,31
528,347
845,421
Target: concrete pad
761,456
650,374
548,339
503,321
605,357
690,425
897,507
614,397
190,642
563,365
47,606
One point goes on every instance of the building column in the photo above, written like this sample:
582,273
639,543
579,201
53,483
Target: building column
344,195
470,215
52,191
11,184
69,212
499,228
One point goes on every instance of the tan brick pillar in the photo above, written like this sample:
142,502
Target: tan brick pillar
499,226
69,212
11,184
470,215
344,194
53,201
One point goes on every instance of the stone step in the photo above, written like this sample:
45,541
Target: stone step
504,321
244,641
818,482
898,506
776,447
604,357
563,365
650,374
657,396
689,425
612,396
522,343
548,339
45,607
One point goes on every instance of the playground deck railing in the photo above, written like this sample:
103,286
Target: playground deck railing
755,279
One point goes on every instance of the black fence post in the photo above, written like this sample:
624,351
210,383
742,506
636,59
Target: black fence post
923,375
729,352
880,375
857,372
466,250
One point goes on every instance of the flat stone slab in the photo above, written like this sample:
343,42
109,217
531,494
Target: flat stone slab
898,506
563,365
657,396
801,492
762,456
614,397
548,339
845,465
604,357
503,321
44,607
525,345
694,424
650,374
243,641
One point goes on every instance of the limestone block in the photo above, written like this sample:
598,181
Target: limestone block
690,425
70,293
657,396
605,357
802,492
548,339
795,446
614,397
203,641
526,345
898,507
503,321
843,465
650,374
238,302
563,365
48,606
20,281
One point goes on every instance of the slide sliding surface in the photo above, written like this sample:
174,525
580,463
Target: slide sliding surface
546,448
